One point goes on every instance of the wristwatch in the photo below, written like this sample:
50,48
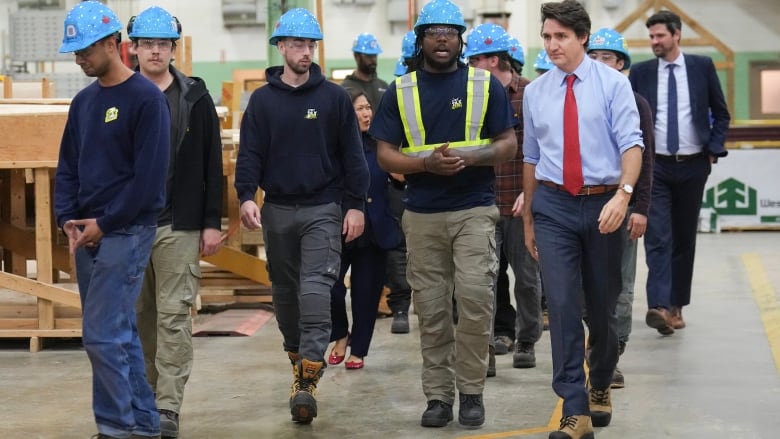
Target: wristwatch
627,188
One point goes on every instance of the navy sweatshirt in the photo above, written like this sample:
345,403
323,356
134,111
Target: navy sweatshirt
301,145
114,155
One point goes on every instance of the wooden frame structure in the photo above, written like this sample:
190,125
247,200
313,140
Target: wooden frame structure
29,156
705,39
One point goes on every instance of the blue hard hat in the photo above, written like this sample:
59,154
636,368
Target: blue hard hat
154,22
366,44
543,62
296,23
400,67
87,23
440,12
516,50
486,38
408,45
609,39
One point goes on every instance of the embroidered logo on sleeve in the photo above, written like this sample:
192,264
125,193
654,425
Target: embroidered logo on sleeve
112,114
311,114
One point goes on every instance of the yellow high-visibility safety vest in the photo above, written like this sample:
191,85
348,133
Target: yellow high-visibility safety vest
408,97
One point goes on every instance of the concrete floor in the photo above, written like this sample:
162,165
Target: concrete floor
715,379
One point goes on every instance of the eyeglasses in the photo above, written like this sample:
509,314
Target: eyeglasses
301,45
162,45
441,31
603,57
87,51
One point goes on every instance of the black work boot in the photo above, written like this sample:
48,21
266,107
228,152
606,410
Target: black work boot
471,412
400,323
491,370
438,414
169,423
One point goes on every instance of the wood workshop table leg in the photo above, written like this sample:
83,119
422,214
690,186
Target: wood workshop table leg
17,216
43,249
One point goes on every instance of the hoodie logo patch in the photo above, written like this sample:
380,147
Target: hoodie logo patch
112,114
456,103
311,114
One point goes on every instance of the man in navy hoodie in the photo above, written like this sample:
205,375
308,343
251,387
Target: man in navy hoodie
110,186
300,143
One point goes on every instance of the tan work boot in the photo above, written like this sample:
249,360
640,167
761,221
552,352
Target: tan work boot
574,427
303,406
294,358
600,404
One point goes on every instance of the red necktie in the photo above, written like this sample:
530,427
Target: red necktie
572,164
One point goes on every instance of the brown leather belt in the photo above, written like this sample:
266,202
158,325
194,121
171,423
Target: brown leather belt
585,190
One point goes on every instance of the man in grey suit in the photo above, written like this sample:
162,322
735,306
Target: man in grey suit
691,120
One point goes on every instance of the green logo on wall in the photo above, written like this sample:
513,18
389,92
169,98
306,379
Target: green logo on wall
731,197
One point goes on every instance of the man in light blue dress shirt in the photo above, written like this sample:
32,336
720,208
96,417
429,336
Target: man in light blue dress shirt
577,236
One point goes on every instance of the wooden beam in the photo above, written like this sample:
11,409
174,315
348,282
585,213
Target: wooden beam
18,217
43,253
25,333
40,289
705,38
240,263
22,242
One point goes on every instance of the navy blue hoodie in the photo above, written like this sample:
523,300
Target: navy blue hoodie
301,145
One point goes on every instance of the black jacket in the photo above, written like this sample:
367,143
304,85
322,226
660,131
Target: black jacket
196,193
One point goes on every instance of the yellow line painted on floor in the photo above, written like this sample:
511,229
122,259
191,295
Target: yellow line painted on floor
766,298
553,425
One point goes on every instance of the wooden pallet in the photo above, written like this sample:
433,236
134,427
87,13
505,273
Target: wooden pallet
223,289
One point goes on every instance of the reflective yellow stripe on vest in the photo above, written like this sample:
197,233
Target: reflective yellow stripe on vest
408,97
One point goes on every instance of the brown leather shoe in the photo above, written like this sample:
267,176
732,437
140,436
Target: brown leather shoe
677,318
574,427
659,319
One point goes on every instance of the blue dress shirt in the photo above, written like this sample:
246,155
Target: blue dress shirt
607,116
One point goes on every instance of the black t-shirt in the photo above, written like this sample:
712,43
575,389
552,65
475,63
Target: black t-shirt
173,94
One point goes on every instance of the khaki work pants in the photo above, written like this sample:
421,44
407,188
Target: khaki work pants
163,312
453,253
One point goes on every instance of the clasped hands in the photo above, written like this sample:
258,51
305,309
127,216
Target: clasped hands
443,161
82,232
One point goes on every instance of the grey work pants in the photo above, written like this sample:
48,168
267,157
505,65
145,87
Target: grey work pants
303,250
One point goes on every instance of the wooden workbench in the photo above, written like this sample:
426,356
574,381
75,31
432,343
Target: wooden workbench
29,147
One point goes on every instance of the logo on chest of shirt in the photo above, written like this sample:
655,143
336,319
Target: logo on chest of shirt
311,114
112,114
456,103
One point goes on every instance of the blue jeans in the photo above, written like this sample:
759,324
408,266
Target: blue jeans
109,278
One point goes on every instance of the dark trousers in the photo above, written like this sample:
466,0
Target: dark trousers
578,263
400,296
303,250
670,240
366,282
510,242
504,322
